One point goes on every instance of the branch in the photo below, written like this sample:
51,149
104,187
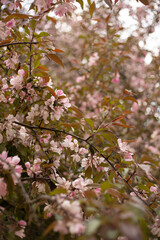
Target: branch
19,43
24,193
91,145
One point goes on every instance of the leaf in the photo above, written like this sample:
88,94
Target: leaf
43,34
52,19
122,125
90,194
43,68
88,172
56,59
108,2
92,226
127,92
58,191
116,193
17,16
105,185
57,50
118,118
145,2
107,18
131,98
75,109
6,41
80,2
98,177
89,122
92,9
51,91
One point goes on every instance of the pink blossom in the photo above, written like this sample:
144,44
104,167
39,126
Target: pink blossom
62,9
93,59
10,23
22,223
153,189
60,226
17,80
59,92
5,1
62,182
122,145
92,160
80,79
82,184
135,107
20,233
83,151
116,79
13,6
21,72
76,227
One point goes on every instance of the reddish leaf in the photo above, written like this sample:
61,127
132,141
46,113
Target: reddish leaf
17,16
127,92
117,119
145,2
51,91
75,109
57,50
56,59
6,41
131,98
107,18
42,68
123,125
52,19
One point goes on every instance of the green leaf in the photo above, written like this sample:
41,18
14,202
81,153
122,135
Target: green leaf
80,2
105,185
58,191
27,29
93,226
88,172
43,34
98,177
91,149
89,122
92,9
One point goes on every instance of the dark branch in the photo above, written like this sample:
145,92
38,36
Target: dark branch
19,43
91,145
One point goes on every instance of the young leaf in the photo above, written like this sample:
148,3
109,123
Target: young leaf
92,9
56,59
89,122
145,2
80,2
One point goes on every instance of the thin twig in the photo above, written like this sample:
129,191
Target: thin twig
91,145
19,43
